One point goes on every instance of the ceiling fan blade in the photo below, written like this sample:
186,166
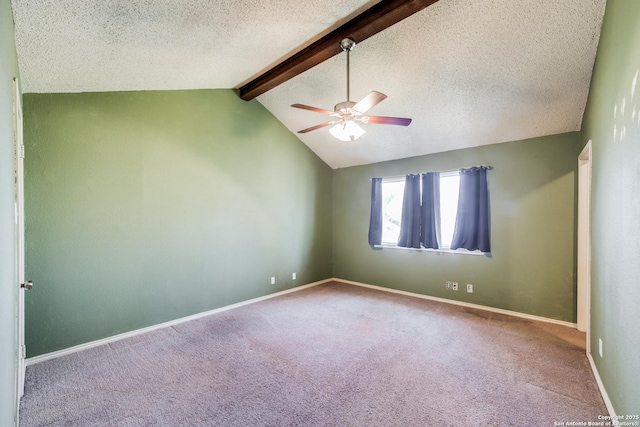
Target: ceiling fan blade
321,125
382,120
317,110
369,101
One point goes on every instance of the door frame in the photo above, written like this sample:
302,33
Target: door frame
584,243
20,260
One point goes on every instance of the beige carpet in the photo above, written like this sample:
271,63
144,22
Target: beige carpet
330,355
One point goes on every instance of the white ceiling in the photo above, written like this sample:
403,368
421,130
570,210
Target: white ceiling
468,72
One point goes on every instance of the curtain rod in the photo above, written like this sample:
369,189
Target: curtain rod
446,171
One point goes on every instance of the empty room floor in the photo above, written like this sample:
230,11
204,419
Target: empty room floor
334,354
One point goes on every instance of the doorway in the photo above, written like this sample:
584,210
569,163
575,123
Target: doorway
584,243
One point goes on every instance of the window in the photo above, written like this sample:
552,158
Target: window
449,187
432,210
392,195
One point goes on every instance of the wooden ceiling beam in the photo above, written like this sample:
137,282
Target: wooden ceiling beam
380,16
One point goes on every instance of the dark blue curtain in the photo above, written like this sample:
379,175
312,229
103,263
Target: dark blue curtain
472,221
430,210
410,222
375,220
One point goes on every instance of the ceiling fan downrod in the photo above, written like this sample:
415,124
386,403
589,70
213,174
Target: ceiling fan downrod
347,45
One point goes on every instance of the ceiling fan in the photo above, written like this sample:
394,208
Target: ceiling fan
348,112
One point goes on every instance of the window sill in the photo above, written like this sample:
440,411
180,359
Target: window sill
446,251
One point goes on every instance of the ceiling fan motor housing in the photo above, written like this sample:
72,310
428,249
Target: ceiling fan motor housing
344,107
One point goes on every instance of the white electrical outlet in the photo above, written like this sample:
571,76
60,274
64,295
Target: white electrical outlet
293,276
273,280
455,286
448,285
600,346
469,288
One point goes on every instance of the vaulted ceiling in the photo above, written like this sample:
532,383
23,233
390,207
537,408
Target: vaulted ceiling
468,72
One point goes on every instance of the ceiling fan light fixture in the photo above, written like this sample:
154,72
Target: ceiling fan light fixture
347,131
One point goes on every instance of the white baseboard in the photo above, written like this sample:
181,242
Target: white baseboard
603,391
463,304
596,374
107,340
85,346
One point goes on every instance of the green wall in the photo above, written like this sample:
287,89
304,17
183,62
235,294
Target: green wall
143,207
532,195
612,123
8,277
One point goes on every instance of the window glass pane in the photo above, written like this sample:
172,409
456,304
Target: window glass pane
392,195
449,186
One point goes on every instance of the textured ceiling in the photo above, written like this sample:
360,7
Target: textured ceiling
468,72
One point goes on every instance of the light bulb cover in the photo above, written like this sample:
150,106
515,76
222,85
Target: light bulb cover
348,131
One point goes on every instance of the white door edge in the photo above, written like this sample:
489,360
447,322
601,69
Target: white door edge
19,190
584,243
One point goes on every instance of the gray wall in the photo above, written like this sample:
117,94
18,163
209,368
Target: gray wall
612,122
144,207
8,278
532,195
